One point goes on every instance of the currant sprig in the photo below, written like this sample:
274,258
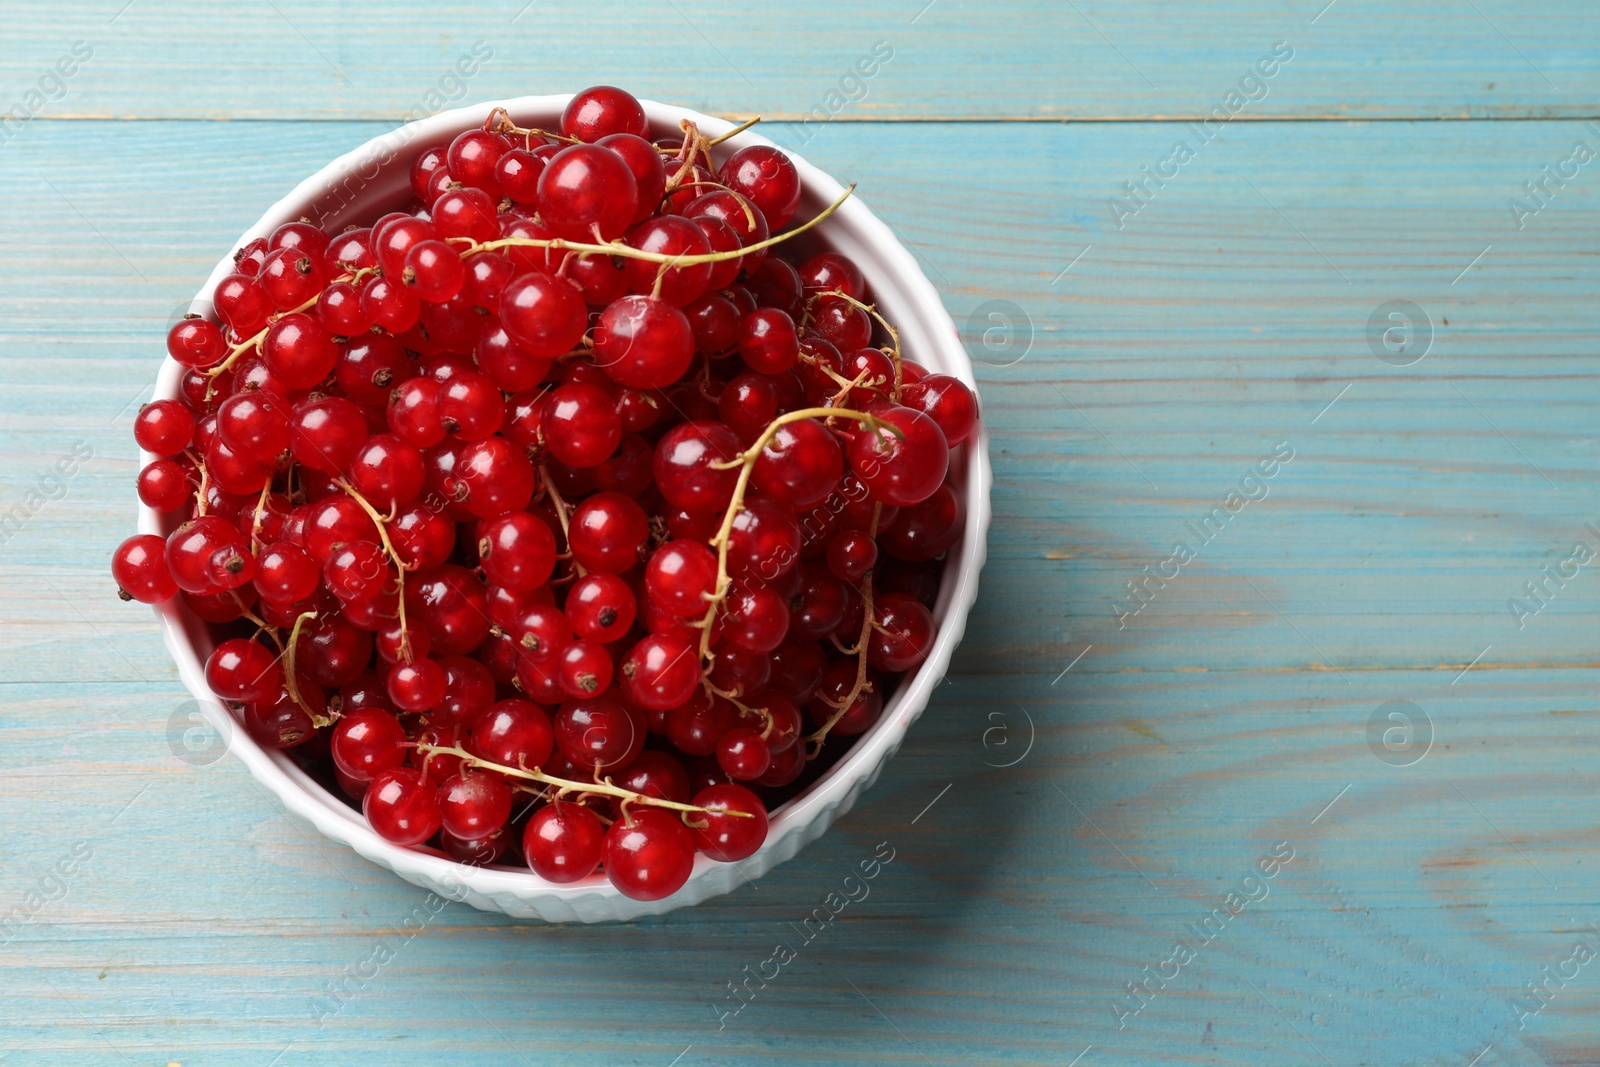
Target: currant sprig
599,787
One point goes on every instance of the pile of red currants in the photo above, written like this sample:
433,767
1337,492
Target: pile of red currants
558,512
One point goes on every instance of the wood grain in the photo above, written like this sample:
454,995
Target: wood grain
1082,792
952,59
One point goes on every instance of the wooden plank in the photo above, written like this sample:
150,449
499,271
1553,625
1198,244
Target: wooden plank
944,59
1220,321
205,927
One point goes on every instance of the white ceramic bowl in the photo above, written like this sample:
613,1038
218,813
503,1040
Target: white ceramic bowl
375,178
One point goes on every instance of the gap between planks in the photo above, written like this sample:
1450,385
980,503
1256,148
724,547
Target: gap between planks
909,120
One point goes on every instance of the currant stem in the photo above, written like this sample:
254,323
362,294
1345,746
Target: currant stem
200,490
289,683
617,248
267,628
746,462
567,785
244,346
843,706
399,564
743,126
561,514
255,522
894,334
744,709
506,125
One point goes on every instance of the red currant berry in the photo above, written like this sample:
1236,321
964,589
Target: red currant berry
600,607
722,238
251,423
598,733
745,218
434,271
279,722
682,577
163,427
367,742
413,412
356,570
580,425
603,110
657,775
649,854
844,325
207,555
387,471
140,568
290,277
450,601
775,284
474,804
543,314
493,477
469,213
517,172
851,554
285,574
764,541
473,157
643,342
660,672
829,272
242,304
756,620
196,342
469,689
927,530
726,836
948,402
299,351
164,485
800,465
649,171
302,235
684,470
837,682
416,686
668,235
584,669
333,651
517,551
391,305
327,433
514,733
743,754
766,177
902,633
402,807
796,669
695,726
564,842
768,343
242,670
715,322
608,532
588,192
350,251
903,465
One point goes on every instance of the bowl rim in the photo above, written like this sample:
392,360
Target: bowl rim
827,798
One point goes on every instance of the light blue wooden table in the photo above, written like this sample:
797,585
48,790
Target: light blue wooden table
1182,827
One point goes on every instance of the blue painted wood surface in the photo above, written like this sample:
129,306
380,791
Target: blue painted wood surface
1094,781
